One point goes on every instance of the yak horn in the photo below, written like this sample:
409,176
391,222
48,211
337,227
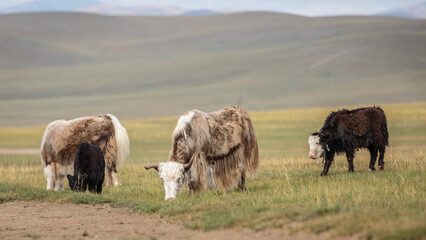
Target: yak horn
188,165
155,166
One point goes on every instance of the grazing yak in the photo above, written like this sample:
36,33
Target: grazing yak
209,151
349,130
62,138
89,169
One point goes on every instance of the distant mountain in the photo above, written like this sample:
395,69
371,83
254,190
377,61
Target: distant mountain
49,6
417,11
201,12
146,10
92,6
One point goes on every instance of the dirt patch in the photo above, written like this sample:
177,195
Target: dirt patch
40,220
19,151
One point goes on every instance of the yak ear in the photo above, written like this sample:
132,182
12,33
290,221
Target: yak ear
324,137
155,166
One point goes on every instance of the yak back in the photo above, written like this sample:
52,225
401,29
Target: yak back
89,158
62,137
354,129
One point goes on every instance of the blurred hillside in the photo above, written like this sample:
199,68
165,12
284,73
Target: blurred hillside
64,65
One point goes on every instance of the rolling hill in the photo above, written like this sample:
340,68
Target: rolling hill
64,65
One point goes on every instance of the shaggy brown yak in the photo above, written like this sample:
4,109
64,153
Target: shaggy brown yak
210,151
62,138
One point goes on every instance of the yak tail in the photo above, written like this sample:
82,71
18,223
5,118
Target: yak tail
251,151
122,140
384,126
198,172
385,130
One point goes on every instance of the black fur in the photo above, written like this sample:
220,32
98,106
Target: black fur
348,130
89,169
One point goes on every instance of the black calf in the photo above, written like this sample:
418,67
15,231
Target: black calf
89,169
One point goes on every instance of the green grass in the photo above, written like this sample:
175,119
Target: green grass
31,235
65,65
287,190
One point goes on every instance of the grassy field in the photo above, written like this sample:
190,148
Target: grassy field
60,65
287,190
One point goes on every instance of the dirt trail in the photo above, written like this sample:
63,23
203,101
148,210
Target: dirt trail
10,151
40,220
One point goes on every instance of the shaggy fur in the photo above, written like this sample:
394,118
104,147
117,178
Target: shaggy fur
218,149
62,138
349,130
89,169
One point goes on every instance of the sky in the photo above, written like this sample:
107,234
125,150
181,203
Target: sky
302,7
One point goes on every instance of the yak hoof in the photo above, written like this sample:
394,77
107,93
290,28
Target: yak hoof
371,169
381,167
243,187
323,174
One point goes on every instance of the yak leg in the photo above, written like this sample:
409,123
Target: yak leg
49,172
59,183
93,187
350,158
373,157
108,177
111,170
381,157
242,184
99,187
329,155
61,172
114,175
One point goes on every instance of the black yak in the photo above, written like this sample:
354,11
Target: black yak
348,130
89,169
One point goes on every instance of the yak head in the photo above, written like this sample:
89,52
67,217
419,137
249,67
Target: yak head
173,175
315,148
78,182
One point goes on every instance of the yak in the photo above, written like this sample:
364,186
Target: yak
89,169
209,151
62,138
349,130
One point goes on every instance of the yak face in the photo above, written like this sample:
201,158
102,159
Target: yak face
315,148
77,183
172,175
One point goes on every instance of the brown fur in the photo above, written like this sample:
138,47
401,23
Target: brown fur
227,142
62,138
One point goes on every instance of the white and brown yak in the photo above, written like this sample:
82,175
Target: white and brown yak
62,138
209,151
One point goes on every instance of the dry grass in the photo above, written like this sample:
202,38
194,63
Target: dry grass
287,191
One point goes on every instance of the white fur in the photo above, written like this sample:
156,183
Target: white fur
115,178
211,180
315,149
172,175
175,178
43,141
49,172
183,121
122,140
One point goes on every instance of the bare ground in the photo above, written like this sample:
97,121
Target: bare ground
41,220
